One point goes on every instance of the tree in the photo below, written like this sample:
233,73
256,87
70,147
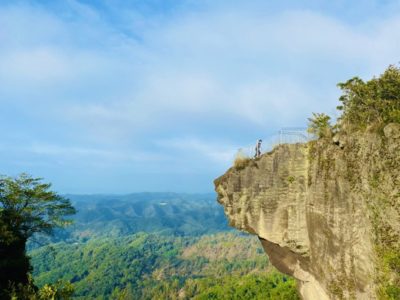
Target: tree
27,207
376,101
319,125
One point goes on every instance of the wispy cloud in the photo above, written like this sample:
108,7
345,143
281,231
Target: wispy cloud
217,152
89,83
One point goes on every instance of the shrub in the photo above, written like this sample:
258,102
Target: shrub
58,291
241,160
319,125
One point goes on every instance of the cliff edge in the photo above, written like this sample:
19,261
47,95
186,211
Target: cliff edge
326,212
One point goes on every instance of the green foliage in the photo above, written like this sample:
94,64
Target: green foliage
374,101
58,291
267,286
153,266
389,271
27,207
392,292
291,179
319,125
371,104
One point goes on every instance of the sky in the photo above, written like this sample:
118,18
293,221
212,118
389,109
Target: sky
121,96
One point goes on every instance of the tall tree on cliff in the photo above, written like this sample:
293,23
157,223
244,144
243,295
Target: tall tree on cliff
27,207
376,101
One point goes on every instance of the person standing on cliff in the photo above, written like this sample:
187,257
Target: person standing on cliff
258,149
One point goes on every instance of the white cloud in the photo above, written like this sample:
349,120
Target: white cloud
197,61
93,88
36,66
218,152
94,155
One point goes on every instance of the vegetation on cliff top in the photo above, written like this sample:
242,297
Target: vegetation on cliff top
376,101
365,104
241,160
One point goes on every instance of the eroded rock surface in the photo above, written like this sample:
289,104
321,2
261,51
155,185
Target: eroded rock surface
314,205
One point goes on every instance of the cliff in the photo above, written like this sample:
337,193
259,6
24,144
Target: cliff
326,212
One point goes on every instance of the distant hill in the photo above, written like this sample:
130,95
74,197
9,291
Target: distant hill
163,213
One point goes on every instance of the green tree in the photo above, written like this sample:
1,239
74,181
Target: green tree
376,101
128,293
319,125
27,207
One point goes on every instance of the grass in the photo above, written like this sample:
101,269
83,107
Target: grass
241,160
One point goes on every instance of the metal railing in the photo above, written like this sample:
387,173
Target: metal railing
287,135
292,135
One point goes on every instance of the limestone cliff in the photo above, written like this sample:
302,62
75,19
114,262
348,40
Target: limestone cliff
326,212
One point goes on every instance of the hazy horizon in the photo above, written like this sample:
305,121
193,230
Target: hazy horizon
141,193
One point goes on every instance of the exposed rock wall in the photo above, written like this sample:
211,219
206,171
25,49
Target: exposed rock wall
315,208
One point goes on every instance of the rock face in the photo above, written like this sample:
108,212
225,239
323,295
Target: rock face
318,208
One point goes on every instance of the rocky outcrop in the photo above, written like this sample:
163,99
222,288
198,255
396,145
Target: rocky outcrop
321,210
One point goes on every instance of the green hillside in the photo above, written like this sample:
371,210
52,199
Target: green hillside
157,246
152,266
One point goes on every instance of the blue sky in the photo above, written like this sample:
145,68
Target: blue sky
127,96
